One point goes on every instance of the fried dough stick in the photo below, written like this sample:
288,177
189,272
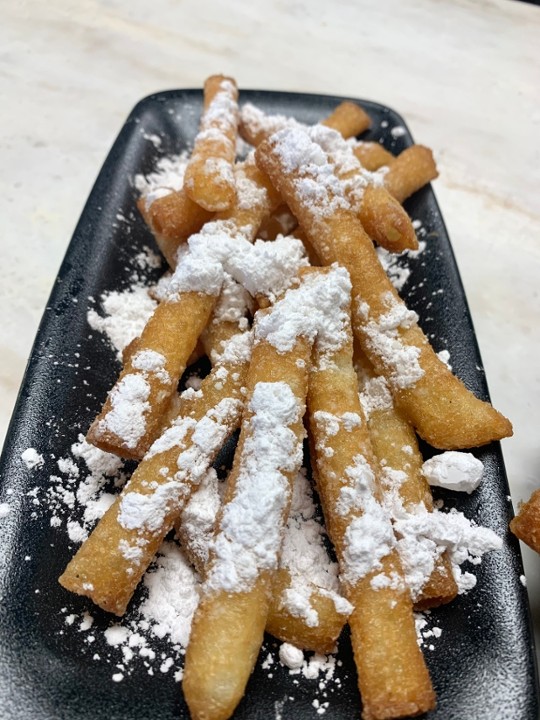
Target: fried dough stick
381,215
256,200
209,179
396,447
314,625
526,524
347,118
392,675
131,416
434,401
383,218
372,155
409,171
110,563
172,332
172,219
228,626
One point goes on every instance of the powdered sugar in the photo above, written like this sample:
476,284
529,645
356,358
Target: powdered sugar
454,470
129,404
249,535
32,459
147,512
317,184
383,338
318,308
197,520
173,595
375,396
423,537
305,557
264,267
168,177
126,314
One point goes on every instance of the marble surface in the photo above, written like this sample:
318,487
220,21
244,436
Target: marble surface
464,73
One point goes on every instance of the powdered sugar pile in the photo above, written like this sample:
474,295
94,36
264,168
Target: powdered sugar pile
249,535
32,459
168,177
318,308
317,184
125,315
305,557
454,470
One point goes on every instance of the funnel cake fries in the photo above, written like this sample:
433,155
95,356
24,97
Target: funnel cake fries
228,626
172,219
437,404
405,487
109,565
131,416
348,119
382,216
409,171
306,607
209,179
172,333
392,675
372,155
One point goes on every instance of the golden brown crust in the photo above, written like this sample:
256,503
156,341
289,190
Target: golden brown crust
385,221
526,524
172,331
172,219
349,119
373,155
227,630
392,675
209,179
100,569
410,170
438,405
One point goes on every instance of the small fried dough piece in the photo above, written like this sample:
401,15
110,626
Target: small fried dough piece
392,675
109,564
209,179
382,217
228,626
436,403
526,524
410,170
372,155
284,626
385,221
172,219
349,119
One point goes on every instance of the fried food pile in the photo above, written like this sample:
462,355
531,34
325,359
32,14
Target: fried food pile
274,273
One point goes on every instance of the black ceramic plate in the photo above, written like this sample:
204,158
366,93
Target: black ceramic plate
483,664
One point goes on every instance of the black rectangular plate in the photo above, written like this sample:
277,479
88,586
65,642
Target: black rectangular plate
483,665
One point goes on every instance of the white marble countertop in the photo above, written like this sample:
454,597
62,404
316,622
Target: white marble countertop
464,73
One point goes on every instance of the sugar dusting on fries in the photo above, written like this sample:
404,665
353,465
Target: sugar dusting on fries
222,259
